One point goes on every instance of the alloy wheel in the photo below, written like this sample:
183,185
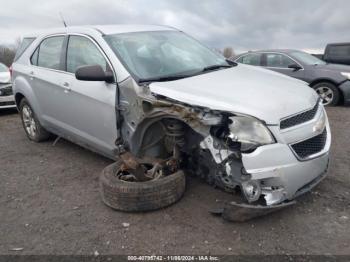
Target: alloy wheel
29,121
326,94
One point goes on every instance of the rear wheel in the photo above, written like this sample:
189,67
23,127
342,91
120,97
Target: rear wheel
31,124
328,92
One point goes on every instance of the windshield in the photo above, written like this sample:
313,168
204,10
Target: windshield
307,58
157,54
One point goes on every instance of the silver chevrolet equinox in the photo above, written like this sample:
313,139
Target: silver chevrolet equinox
142,92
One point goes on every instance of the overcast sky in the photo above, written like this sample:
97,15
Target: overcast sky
244,25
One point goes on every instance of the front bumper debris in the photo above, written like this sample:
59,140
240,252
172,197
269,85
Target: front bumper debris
233,211
282,178
281,175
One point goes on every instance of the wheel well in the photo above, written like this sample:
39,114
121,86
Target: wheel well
152,132
18,99
317,81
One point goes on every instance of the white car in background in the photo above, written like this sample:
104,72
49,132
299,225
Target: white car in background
6,96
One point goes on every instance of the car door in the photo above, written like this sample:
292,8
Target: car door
279,63
45,75
90,115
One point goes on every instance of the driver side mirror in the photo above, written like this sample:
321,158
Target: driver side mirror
93,73
296,67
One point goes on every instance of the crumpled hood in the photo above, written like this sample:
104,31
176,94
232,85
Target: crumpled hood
244,89
5,77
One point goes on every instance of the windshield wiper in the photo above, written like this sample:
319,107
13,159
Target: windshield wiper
215,67
163,78
180,76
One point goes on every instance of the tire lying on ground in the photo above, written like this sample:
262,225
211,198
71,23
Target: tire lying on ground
140,196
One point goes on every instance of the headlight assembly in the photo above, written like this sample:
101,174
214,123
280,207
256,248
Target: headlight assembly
248,130
346,74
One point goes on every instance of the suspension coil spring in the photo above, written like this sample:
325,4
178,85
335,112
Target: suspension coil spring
175,133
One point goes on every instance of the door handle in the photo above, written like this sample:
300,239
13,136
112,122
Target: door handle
31,73
66,87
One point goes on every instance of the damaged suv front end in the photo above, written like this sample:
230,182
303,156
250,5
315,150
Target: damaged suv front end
166,106
235,126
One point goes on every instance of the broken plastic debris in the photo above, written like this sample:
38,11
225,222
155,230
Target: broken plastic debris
233,211
17,249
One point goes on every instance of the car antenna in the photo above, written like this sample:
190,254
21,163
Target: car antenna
64,22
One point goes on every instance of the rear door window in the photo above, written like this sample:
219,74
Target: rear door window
278,60
49,52
82,52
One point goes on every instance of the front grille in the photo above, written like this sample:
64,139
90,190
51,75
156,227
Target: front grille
311,146
299,118
9,103
6,91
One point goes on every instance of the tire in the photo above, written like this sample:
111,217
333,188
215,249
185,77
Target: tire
140,196
325,88
35,132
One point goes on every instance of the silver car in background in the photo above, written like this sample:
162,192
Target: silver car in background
155,92
6,96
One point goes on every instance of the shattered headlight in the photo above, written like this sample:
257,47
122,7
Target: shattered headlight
248,130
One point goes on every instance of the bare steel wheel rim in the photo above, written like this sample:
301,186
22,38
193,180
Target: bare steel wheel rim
326,94
29,121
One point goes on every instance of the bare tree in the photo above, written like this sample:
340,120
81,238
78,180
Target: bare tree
18,42
228,52
7,54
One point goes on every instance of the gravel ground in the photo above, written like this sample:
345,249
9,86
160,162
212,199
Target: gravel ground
50,204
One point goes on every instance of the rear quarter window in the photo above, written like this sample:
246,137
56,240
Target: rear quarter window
23,46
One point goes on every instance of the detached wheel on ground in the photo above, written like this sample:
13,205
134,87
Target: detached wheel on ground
125,195
31,124
328,92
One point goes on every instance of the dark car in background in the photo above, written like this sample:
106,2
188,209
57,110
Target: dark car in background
331,81
338,53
